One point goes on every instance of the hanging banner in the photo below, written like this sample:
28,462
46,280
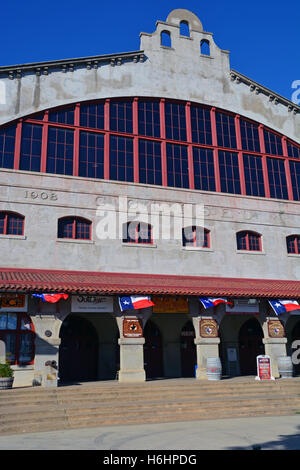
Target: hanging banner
92,303
13,302
264,371
170,305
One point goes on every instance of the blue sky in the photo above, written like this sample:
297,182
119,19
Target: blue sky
263,37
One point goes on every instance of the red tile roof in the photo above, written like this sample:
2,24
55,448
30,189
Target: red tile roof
36,280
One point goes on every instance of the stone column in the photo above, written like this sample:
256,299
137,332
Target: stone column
275,347
274,340
206,347
47,323
207,340
131,324
132,360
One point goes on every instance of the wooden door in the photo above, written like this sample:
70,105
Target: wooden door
153,354
188,350
78,351
250,346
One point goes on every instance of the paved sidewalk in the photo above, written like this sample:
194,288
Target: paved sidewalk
271,433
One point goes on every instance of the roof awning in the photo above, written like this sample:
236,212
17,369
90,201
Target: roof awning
85,282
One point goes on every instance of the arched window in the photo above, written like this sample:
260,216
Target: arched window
196,236
76,228
205,47
17,332
184,29
248,241
165,39
293,244
11,223
137,232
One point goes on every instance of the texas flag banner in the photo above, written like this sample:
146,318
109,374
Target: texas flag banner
209,302
282,306
52,298
134,302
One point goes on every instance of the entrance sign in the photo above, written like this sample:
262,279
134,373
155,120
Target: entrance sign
264,371
92,303
13,302
170,305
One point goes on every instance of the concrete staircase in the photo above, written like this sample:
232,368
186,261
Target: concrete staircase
111,403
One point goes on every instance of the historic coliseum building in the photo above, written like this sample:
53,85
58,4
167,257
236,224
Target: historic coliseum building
168,126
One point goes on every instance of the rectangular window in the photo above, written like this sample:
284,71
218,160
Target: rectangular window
295,177
150,162
293,151
254,178
204,172
62,116
31,147
201,125
121,158
229,172
273,143
60,151
225,130
249,136
121,116
277,179
149,118
7,146
91,155
92,115
175,121
177,166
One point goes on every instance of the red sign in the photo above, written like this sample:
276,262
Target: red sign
264,371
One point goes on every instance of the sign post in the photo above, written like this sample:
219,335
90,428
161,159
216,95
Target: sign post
264,371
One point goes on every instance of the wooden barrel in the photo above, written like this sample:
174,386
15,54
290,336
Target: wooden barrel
213,368
6,382
285,367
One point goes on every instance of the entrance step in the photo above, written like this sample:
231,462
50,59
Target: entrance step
111,403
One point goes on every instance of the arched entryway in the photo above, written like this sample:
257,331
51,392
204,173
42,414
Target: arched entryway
250,346
188,350
153,354
296,336
78,351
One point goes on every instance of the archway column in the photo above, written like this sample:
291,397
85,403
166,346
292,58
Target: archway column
131,324
132,360
206,347
275,347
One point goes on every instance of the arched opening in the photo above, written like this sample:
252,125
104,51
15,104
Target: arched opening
153,354
248,241
184,29
188,350
250,346
74,227
78,351
205,47
296,336
165,39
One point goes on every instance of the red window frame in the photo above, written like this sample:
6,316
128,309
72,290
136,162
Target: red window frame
293,244
200,237
19,332
139,229
249,241
114,166
6,225
74,222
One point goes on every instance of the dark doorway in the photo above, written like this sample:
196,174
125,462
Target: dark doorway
188,350
250,346
153,355
296,336
78,351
